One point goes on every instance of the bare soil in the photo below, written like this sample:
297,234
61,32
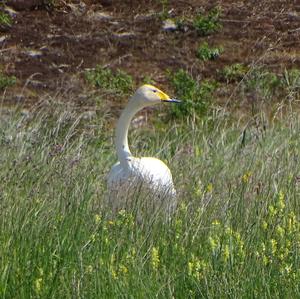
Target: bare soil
48,48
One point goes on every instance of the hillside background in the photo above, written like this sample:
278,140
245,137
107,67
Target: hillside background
48,45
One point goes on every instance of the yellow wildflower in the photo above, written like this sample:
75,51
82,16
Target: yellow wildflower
240,244
190,268
291,222
196,267
213,244
123,269
97,218
281,256
130,255
114,274
272,211
226,253
273,244
280,231
286,252
38,285
264,225
265,260
237,236
197,151
216,223
281,203
246,177
198,188
209,188
155,258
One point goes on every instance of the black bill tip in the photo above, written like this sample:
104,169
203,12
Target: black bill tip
173,101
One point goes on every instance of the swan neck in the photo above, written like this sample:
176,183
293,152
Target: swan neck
123,150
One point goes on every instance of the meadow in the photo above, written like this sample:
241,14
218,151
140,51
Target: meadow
232,147
235,233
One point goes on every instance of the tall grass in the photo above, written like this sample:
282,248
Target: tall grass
235,234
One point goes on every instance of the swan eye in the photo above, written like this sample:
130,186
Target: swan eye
154,90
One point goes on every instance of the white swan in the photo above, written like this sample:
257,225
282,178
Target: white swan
130,174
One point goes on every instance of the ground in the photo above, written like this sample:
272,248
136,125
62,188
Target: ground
49,47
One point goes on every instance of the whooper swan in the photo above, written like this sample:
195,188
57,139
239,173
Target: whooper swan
131,173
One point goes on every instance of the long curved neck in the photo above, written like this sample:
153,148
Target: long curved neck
122,147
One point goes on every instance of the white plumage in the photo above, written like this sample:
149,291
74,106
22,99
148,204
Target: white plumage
130,174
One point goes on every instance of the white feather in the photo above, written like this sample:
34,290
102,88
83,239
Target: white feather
130,174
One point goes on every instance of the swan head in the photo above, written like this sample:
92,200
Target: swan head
148,95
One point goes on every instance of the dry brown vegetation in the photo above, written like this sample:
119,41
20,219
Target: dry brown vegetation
50,44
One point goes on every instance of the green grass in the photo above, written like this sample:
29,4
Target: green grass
291,82
181,23
6,81
264,83
197,96
206,24
236,233
258,86
204,52
164,14
5,19
117,82
203,23
234,72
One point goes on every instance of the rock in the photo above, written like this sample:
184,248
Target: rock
98,16
88,115
3,38
34,53
146,17
10,11
37,84
293,16
124,35
78,9
169,25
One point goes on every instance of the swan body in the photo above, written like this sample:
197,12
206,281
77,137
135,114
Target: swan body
131,174
147,170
